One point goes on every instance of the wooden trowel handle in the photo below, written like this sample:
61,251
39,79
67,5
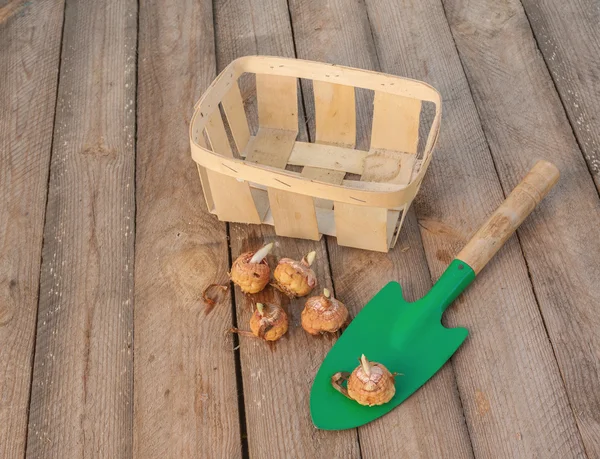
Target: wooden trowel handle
507,218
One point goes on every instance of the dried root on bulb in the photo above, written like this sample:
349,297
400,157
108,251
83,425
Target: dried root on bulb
295,278
209,295
369,384
268,322
323,314
250,271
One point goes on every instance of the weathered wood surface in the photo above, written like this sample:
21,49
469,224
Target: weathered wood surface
30,37
510,411
431,422
81,396
568,37
276,380
523,385
564,269
185,381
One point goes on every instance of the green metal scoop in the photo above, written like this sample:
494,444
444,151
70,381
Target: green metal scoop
409,338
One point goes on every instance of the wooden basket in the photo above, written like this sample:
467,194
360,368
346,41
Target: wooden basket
361,197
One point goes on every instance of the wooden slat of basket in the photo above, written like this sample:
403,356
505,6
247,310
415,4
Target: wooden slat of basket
361,226
233,201
277,99
395,123
294,214
335,114
323,175
271,147
388,167
394,139
217,136
202,172
323,157
233,106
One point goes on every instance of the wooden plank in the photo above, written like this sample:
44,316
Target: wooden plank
395,123
518,137
277,102
276,383
510,412
29,61
431,420
233,106
81,397
568,37
185,387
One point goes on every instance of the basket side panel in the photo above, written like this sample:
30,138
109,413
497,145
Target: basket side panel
335,114
233,106
294,214
318,71
361,227
395,123
367,194
277,99
233,201
217,135
210,202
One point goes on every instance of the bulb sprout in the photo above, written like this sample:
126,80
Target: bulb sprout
261,254
261,309
310,258
366,365
326,293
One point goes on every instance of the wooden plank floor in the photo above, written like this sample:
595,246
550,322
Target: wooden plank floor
106,241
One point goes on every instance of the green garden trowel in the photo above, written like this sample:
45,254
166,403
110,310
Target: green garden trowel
409,338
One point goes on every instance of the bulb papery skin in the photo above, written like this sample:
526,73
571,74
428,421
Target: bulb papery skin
377,388
294,278
271,325
250,277
323,315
